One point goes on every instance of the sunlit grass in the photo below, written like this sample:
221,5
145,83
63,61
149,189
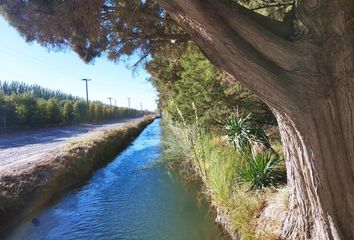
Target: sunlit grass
215,162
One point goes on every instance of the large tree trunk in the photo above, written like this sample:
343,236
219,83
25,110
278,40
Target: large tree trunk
310,86
318,146
319,140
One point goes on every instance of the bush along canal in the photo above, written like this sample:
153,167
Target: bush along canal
133,197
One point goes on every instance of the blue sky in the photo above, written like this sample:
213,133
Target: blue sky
32,63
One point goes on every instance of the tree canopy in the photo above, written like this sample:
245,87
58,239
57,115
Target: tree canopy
90,28
117,28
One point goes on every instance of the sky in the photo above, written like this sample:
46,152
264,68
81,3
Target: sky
31,63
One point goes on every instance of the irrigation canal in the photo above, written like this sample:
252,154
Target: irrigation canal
131,198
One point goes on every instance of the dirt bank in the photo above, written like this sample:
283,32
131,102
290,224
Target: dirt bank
242,211
25,188
32,145
265,224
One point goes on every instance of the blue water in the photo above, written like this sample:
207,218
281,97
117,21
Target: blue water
131,198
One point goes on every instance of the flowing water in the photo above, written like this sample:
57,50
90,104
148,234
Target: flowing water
130,198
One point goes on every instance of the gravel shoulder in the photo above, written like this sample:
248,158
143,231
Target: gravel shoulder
25,148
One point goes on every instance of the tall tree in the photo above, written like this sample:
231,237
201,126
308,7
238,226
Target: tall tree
310,86
185,80
302,67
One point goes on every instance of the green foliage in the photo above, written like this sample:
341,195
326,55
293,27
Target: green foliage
17,88
80,111
260,162
183,76
55,114
26,106
261,170
98,112
25,109
68,112
114,28
276,9
42,112
118,28
244,134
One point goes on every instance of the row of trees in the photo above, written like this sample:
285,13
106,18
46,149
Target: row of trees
15,87
26,109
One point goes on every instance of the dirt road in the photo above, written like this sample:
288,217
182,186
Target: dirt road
24,148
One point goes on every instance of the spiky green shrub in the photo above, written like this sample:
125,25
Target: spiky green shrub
261,170
245,135
215,164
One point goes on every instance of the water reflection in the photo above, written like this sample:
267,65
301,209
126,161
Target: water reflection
131,198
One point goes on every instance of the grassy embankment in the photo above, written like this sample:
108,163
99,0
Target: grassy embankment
25,190
241,211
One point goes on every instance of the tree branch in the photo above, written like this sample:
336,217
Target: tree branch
259,31
236,39
141,59
178,38
142,14
280,29
137,12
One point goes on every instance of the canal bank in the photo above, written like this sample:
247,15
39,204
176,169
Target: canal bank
132,197
242,211
27,187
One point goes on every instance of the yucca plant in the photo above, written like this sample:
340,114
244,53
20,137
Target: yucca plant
245,135
260,170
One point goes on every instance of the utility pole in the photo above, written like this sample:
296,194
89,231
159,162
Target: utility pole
110,102
129,102
86,80
141,107
110,105
115,102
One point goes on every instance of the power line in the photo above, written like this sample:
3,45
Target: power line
20,55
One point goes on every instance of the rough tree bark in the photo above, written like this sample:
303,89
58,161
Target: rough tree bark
310,86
